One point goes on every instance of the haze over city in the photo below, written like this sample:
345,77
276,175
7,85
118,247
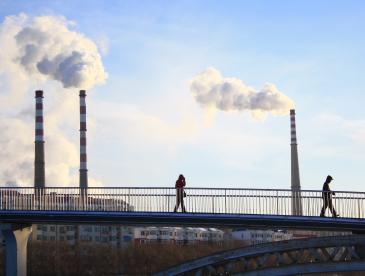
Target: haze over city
190,87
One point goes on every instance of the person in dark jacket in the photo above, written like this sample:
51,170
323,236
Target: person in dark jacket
180,184
327,197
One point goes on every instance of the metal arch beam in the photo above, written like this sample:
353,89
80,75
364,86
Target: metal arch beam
256,250
184,219
308,268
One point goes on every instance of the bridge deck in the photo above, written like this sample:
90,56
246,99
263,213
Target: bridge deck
183,219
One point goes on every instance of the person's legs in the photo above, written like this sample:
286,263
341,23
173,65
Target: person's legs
177,200
333,211
182,201
325,204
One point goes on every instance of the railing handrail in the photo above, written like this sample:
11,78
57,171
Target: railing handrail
199,200
187,188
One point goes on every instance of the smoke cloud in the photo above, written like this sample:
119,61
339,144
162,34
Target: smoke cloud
46,47
211,89
34,52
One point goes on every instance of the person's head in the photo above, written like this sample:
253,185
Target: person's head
181,177
329,179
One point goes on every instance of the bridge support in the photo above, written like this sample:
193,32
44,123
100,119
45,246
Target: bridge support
16,241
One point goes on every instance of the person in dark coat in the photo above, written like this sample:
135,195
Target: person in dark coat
180,184
327,197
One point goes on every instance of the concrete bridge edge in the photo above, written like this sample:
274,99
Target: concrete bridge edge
16,242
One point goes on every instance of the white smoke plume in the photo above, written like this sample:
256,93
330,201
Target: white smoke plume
35,52
211,89
45,47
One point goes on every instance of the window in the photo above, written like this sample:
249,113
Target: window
52,228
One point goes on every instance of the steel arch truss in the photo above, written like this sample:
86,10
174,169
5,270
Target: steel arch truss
323,254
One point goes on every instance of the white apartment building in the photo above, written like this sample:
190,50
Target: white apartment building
260,236
187,235
115,235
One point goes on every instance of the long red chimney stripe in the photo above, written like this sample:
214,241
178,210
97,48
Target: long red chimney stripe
82,109
83,158
83,141
39,105
39,119
39,132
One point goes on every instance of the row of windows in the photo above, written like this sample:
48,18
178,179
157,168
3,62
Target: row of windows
164,233
63,229
53,238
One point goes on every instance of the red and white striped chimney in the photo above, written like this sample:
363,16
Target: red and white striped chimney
83,156
39,172
295,180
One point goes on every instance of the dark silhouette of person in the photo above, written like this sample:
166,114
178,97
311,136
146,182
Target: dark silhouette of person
327,198
180,184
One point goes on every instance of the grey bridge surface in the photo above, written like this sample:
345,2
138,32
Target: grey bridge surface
183,219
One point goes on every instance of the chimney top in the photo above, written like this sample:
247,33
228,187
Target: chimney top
39,93
82,93
292,111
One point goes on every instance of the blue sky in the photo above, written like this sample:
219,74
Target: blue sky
146,127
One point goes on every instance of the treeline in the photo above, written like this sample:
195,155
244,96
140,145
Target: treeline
61,258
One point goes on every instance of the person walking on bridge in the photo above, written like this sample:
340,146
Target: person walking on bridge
327,198
180,184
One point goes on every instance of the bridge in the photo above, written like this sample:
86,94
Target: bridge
312,255
251,208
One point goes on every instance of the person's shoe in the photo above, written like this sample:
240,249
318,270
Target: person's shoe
322,215
336,215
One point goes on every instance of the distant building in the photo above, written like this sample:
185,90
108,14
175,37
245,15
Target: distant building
123,235
182,235
259,236
115,235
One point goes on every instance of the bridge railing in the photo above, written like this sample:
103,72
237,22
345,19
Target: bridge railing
198,200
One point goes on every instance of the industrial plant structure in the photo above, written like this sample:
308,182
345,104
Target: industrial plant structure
295,180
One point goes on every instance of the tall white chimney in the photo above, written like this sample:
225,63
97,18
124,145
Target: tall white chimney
295,180
83,156
39,175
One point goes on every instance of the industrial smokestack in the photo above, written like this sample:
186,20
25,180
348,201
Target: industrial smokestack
295,180
83,156
39,178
